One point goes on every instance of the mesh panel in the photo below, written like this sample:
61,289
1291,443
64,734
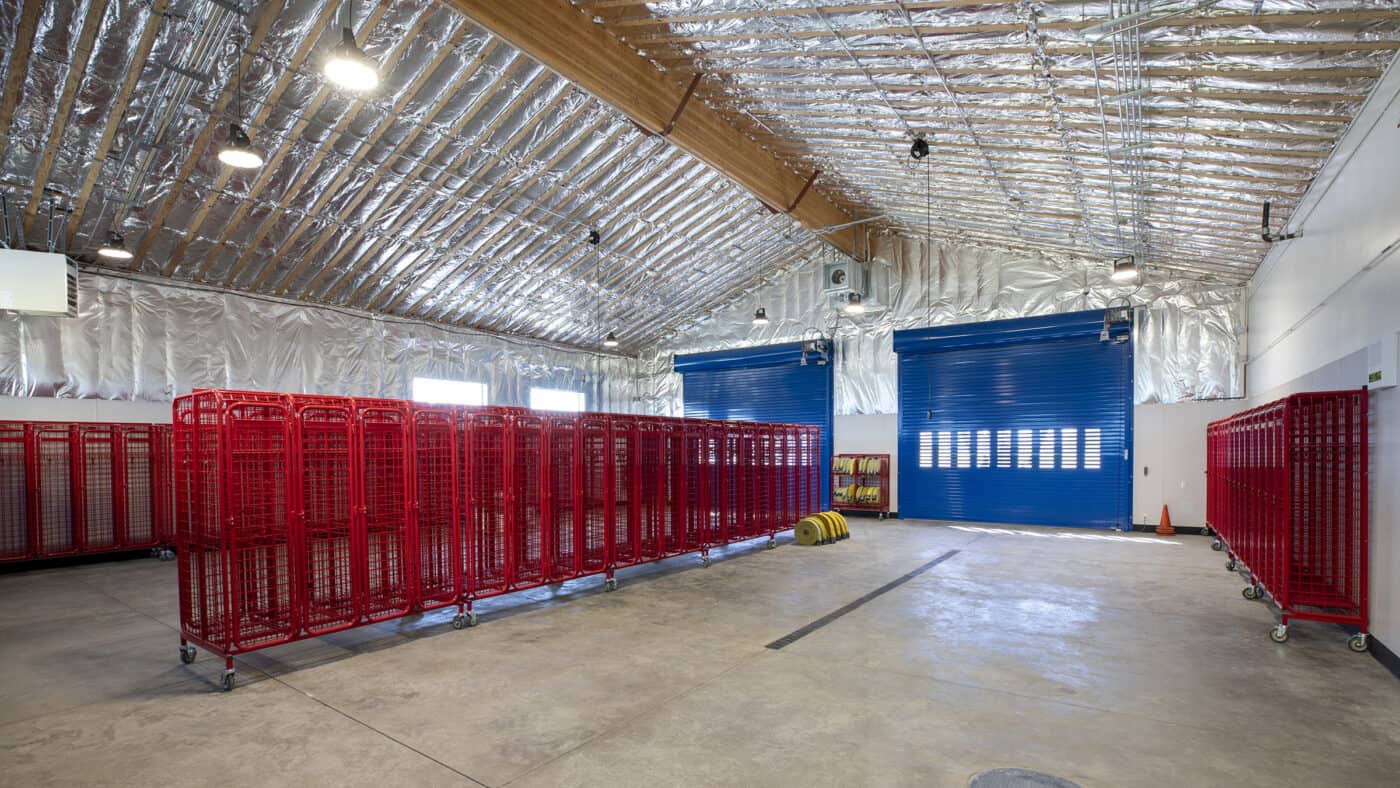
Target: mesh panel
527,501
383,439
14,494
139,481
594,458
54,446
97,490
329,552
434,474
625,525
563,433
487,507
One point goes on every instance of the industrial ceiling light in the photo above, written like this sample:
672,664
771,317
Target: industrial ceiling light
348,66
594,237
760,317
855,305
238,150
115,248
1125,269
610,340
919,149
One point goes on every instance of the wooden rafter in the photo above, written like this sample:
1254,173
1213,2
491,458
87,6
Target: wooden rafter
18,67
567,41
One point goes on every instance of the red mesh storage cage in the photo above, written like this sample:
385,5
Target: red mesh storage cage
734,505
526,505
330,551
54,487
142,484
715,503
764,495
694,495
15,539
97,489
625,532
653,504
382,485
595,487
563,509
437,563
484,460
812,460
748,482
1286,493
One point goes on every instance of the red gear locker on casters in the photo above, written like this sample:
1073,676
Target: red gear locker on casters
563,511
1286,492
437,565
382,438
16,524
330,549
527,462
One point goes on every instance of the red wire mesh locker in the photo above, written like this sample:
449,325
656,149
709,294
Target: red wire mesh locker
812,460
383,489
329,553
437,567
97,488
484,459
716,503
1287,494
15,538
233,488
746,479
653,488
563,509
764,495
792,491
141,481
622,433
595,488
735,503
54,447
694,497
526,503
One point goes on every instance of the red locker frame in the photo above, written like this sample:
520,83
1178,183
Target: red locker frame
1287,496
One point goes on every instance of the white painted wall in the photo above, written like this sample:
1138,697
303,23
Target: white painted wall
1169,459
1318,301
68,409
875,433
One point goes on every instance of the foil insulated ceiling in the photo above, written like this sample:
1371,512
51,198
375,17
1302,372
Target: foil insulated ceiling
461,192
1099,128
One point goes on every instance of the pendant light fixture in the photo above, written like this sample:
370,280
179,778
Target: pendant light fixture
349,66
238,150
115,248
760,317
855,305
1125,269
610,340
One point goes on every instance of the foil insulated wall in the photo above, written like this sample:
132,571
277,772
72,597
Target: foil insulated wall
138,340
1187,335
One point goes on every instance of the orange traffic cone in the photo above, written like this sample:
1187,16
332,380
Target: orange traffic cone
1164,528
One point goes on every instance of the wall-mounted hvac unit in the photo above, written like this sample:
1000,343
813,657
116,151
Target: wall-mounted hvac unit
38,283
870,281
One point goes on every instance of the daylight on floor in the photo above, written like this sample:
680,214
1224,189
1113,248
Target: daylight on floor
963,393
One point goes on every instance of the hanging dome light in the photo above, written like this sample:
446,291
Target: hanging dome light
760,317
1125,269
238,150
610,340
919,149
349,67
855,305
115,248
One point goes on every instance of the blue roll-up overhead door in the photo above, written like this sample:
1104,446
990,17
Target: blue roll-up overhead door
1017,421
768,384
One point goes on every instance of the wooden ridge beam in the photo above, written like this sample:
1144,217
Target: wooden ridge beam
566,41
18,67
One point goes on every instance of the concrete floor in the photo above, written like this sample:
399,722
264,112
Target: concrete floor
1109,660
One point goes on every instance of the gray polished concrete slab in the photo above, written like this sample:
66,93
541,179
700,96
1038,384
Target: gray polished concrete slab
1107,659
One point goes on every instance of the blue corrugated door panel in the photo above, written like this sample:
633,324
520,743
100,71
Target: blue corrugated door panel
1019,430
767,384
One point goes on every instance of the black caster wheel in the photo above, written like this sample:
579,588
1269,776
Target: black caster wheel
187,654
459,621
227,681
610,584
1230,565
1279,634
772,544
473,619
1357,642
1251,592
167,555
1217,545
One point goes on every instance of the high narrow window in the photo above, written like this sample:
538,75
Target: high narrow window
964,449
556,399
984,448
1069,448
1003,448
1025,448
945,449
1047,449
926,450
1092,439
449,392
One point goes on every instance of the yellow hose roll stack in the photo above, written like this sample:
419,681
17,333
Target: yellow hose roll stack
821,528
